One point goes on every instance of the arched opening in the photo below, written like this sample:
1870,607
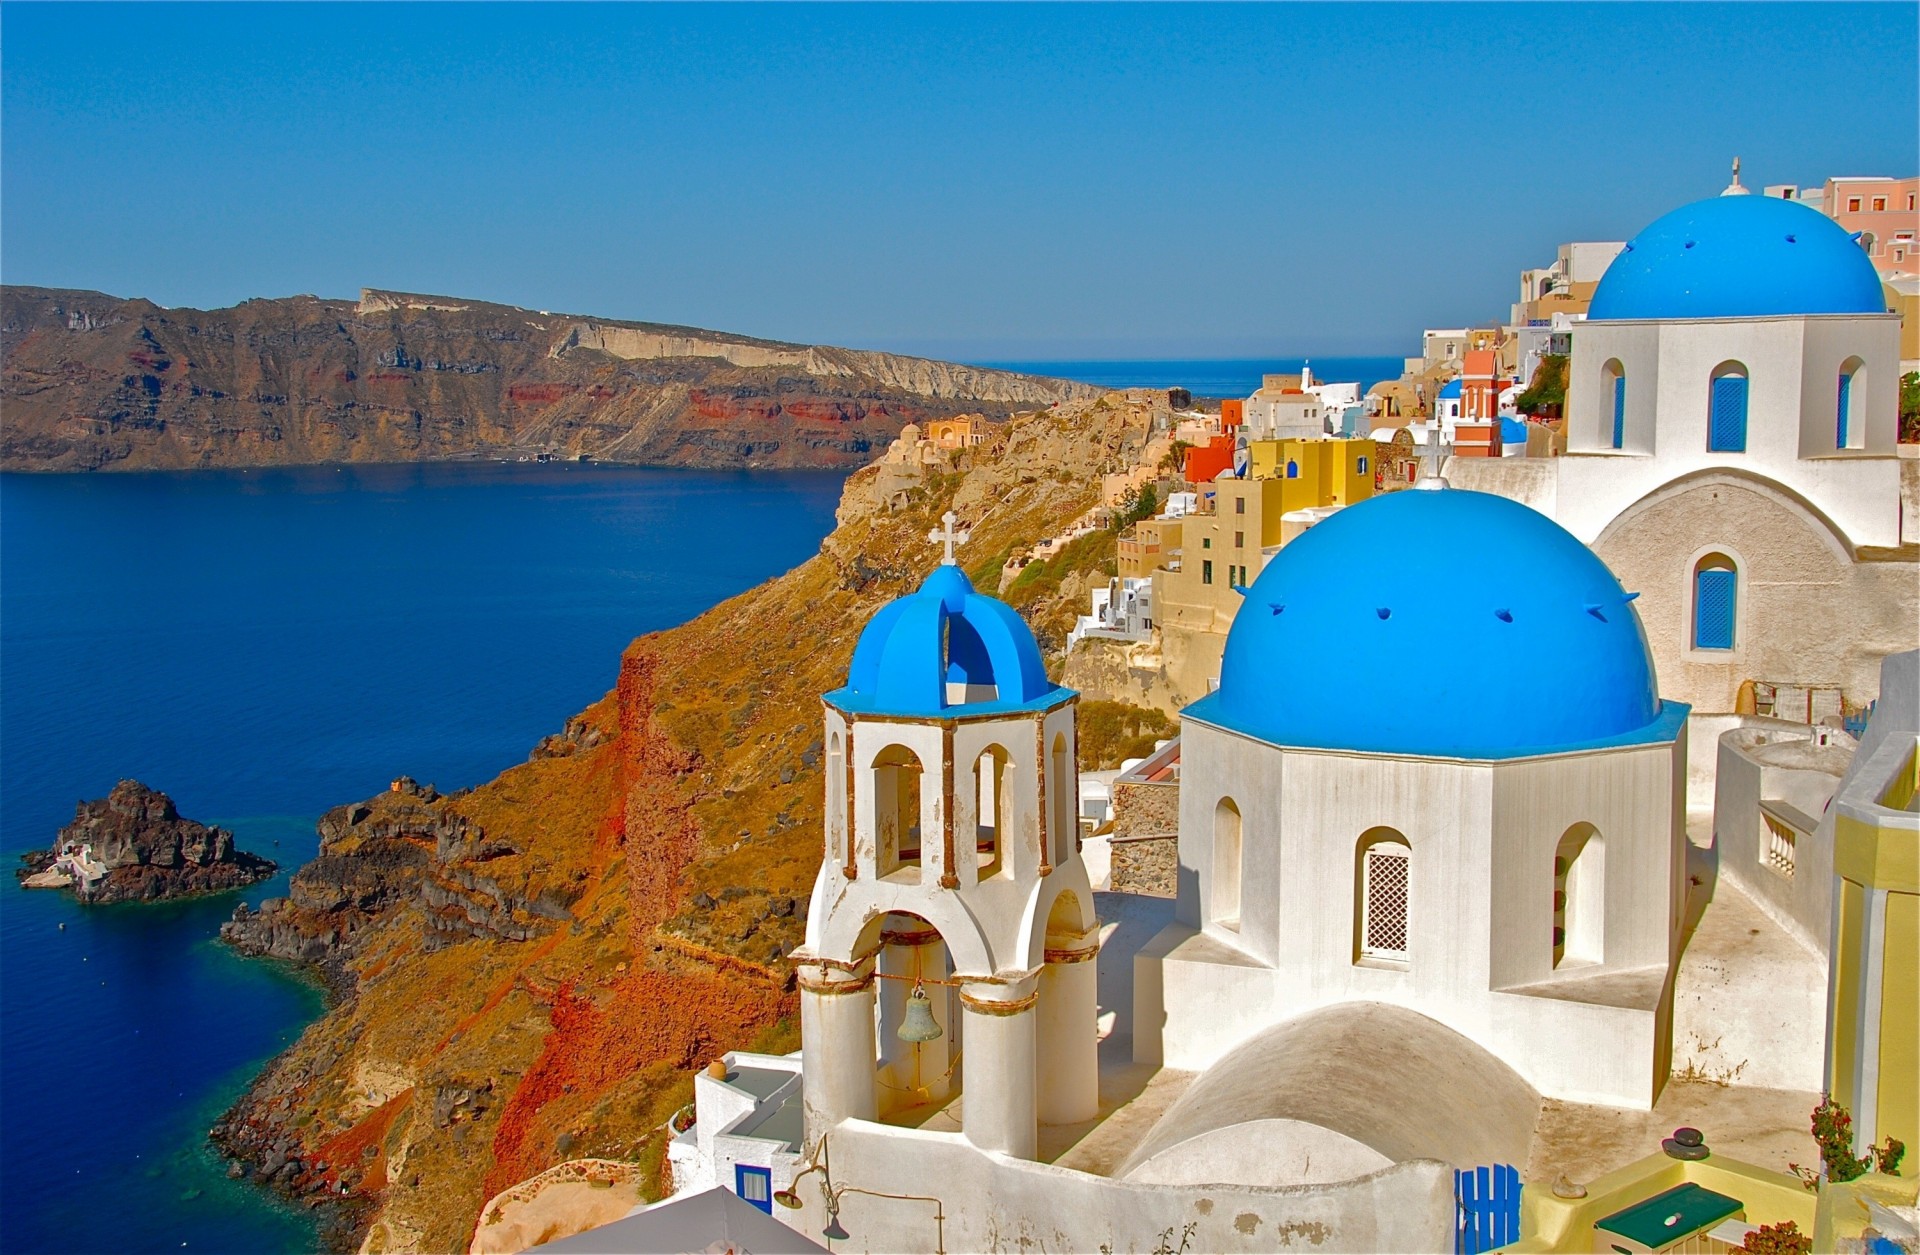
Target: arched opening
1716,597
836,801
896,810
990,810
1382,925
1849,411
1613,387
916,1077
1228,855
1727,409
1293,469
1063,790
1579,897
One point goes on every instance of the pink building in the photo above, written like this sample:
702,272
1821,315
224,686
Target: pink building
1886,212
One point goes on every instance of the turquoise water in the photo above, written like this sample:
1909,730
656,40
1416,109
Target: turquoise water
1212,377
263,645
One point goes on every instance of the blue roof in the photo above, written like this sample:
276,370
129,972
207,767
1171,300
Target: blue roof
945,633
1512,431
1739,257
1450,391
1446,624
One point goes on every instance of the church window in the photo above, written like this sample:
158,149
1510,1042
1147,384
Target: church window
1727,409
1385,881
1849,424
990,810
1579,896
1293,469
1227,856
1206,571
896,807
836,798
1064,790
1613,378
1715,602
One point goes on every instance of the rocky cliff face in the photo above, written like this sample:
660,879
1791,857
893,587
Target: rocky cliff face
133,845
531,971
92,382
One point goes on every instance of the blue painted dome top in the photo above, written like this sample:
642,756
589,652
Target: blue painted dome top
946,649
1502,634
1512,431
1739,257
1450,391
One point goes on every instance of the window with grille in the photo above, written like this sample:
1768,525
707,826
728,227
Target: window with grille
1727,419
1777,852
1383,924
1841,415
1715,590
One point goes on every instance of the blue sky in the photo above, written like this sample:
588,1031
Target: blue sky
984,182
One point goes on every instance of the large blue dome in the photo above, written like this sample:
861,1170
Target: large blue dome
942,650
1739,257
1446,624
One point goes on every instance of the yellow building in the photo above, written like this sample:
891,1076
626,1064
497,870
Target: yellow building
1873,1025
1147,545
1314,472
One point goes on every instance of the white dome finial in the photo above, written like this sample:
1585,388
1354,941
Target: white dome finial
1734,188
949,536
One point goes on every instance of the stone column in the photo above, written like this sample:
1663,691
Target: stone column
998,1110
910,950
1069,1032
836,1044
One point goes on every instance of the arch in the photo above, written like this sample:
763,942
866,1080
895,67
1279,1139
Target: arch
1068,919
1229,858
1850,406
1727,408
1063,793
1579,897
837,851
852,937
1613,387
897,772
990,811
1716,602
1825,527
1383,897
1293,469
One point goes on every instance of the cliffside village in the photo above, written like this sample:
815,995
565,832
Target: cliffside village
1537,858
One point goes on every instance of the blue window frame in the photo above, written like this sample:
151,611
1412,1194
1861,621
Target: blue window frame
1841,409
755,1185
1620,411
1714,593
1727,423
1293,469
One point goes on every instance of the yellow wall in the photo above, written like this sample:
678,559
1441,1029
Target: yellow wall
1870,857
1329,470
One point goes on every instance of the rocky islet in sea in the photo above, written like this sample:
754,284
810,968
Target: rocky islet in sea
134,846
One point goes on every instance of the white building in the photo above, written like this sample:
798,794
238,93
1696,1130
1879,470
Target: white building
1281,410
1730,452
1120,610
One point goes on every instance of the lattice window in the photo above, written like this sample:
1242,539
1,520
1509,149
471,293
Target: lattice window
1727,418
1383,931
1778,850
1714,593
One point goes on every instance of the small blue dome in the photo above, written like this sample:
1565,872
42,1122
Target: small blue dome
1498,634
1450,391
1739,257
1512,431
916,648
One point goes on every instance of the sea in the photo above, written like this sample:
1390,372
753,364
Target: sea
263,645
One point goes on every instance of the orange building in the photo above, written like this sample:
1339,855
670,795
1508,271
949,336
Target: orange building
1886,213
1480,386
1233,412
963,432
1205,462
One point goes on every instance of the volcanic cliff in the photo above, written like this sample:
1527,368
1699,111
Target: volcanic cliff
529,972
90,381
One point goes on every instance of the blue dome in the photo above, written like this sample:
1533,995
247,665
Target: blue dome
1739,257
945,649
1450,391
1512,431
1445,624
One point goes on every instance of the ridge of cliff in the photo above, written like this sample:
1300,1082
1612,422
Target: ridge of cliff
91,382
530,971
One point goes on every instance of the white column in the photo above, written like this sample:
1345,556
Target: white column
912,951
998,1109
1069,1032
836,1046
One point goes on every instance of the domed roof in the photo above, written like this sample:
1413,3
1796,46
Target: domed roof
945,649
1445,624
1512,431
1450,391
1739,257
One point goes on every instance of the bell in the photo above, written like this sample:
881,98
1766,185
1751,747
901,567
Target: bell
919,1023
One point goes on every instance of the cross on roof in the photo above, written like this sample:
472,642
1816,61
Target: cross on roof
949,535
1432,457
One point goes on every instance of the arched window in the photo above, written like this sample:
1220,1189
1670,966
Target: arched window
1716,593
896,810
836,799
1727,409
1227,854
1064,790
1849,418
1383,873
990,810
1579,897
1293,469
1613,388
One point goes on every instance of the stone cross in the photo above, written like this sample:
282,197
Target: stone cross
948,535
1432,457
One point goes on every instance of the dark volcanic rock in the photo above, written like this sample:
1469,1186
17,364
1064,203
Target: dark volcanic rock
132,845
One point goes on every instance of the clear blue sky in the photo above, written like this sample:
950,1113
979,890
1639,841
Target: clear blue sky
963,181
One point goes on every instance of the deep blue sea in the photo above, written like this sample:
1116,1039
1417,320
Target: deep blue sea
263,645
1212,377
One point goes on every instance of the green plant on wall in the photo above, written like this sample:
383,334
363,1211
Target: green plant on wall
1833,1133
1910,407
